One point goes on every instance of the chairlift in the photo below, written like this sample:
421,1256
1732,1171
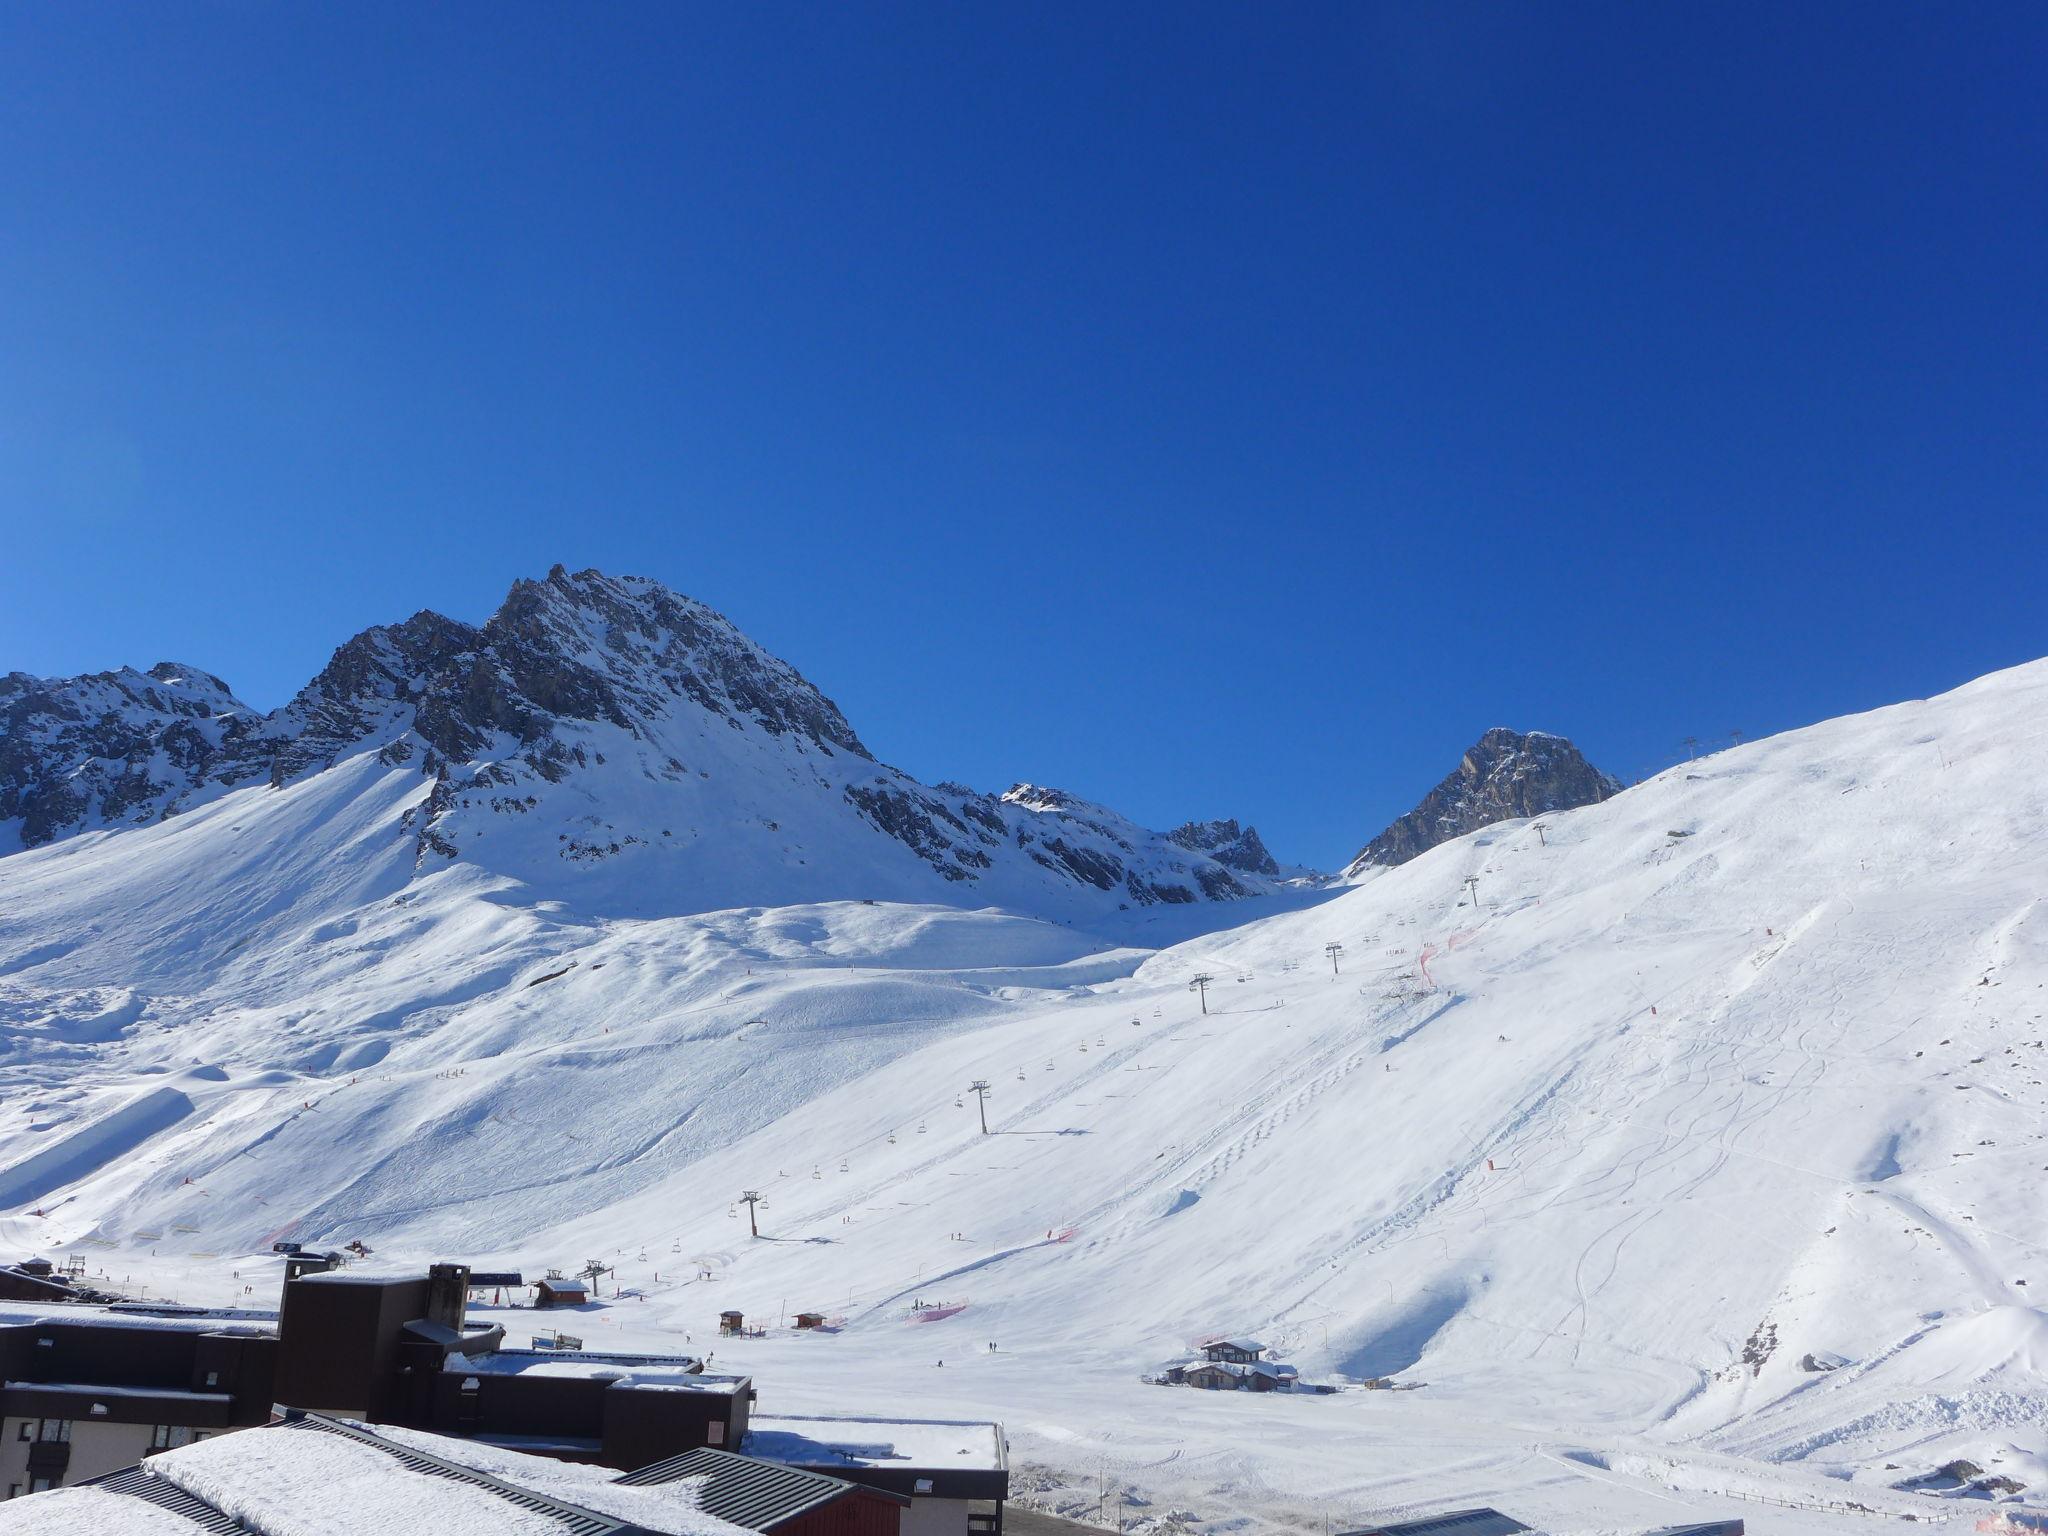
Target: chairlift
892,1138
731,1214
1100,1043
1020,1074
920,1127
958,1102
842,1166
815,1173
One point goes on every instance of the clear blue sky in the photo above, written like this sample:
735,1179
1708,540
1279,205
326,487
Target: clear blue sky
1211,410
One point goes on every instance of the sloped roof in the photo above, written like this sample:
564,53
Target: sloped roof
250,1482
138,1484
1457,1522
760,1495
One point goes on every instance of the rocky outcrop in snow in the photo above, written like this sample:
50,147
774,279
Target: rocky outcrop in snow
1230,845
1502,776
109,749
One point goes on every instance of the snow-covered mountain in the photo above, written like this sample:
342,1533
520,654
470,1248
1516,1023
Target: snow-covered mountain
1504,776
605,725
1704,1158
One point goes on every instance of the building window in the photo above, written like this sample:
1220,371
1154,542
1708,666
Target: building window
213,1378
24,1434
160,1437
57,1431
39,1485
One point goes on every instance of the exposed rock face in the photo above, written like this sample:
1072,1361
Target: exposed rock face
112,748
1505,775
606,713
1230,845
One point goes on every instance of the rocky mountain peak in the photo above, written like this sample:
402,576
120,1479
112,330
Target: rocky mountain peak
592,646
1041,797
1503,776
592,719
1230,845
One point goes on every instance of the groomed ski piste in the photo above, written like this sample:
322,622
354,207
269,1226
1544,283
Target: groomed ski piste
1691,1162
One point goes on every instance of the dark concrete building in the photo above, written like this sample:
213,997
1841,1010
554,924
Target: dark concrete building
398,1349
85,1390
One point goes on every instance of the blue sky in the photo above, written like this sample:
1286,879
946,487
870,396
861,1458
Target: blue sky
1211,410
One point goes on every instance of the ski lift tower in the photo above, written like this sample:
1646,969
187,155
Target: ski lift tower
751,1199
1201,984
979,1088
1333,949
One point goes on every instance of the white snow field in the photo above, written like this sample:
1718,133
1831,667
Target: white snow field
1738,1072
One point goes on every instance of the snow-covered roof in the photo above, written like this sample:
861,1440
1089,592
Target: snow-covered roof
1457,1522
670,1509
1243,1368
313,1476
1249,1346
284,1481
815,1441
90,1511
73,1315
668,1372
746,1490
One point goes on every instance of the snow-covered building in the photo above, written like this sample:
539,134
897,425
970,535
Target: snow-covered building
1231,1365
85,1390
38,1280
399,1349
1234,1351
1245,1376
557,1291
309,1473
955,1473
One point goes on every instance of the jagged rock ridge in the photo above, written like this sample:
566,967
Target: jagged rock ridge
609,712
1503,776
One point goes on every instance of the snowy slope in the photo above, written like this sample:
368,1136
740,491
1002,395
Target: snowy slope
1740,1067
